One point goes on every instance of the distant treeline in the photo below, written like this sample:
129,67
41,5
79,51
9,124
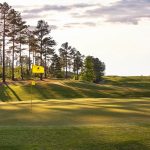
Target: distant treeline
21,46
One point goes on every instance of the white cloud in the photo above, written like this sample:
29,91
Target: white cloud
124,11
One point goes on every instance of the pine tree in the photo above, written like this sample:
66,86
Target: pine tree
5,12
78,63
88,72
56,66
13,21
42,30
34,47
48,44
22,39
93,69
64,52
99,68
29,41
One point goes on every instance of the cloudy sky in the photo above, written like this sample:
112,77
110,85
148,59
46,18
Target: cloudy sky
116,31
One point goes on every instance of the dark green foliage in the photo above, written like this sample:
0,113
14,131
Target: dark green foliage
77,63
48,44
93,69
99,68
55,67
14,19
22,39
88,72
64,53
42,30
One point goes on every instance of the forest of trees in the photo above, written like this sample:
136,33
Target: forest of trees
21,47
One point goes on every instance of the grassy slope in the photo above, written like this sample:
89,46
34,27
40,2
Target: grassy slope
82,122
114,87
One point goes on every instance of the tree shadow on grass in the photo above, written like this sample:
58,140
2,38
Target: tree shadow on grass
4,96
53,91
130,82
65,92
14,93
131,145
87,85
69,90
79,90
115,89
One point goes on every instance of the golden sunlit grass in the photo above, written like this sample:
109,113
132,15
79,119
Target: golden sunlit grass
72,115
76,111
113,87
77,124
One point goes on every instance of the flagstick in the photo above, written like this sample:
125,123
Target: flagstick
31,97
39,70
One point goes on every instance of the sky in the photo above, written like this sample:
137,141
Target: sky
115,31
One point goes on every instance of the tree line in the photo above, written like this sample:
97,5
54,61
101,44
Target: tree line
21,47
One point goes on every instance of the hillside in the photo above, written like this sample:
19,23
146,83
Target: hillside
111,87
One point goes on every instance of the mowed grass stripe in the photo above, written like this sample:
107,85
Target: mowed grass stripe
112,87
75,112
70,115
76,138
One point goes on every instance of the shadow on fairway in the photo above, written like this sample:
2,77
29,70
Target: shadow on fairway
4,95
113,87
76,112
13,92
130,145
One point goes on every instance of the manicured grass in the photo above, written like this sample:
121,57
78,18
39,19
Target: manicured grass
75,138
75,112
76,124
113,87
72,115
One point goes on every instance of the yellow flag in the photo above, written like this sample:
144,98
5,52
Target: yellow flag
33,82
37,69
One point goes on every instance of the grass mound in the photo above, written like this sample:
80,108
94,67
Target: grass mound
112,87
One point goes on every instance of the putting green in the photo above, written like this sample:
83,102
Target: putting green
76,124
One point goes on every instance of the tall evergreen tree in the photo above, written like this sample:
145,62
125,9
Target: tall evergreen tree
42,30
88,72
5,13
64,52
93,69
56,66
78,63
34,47
13,28
22,39
48,44
99,68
